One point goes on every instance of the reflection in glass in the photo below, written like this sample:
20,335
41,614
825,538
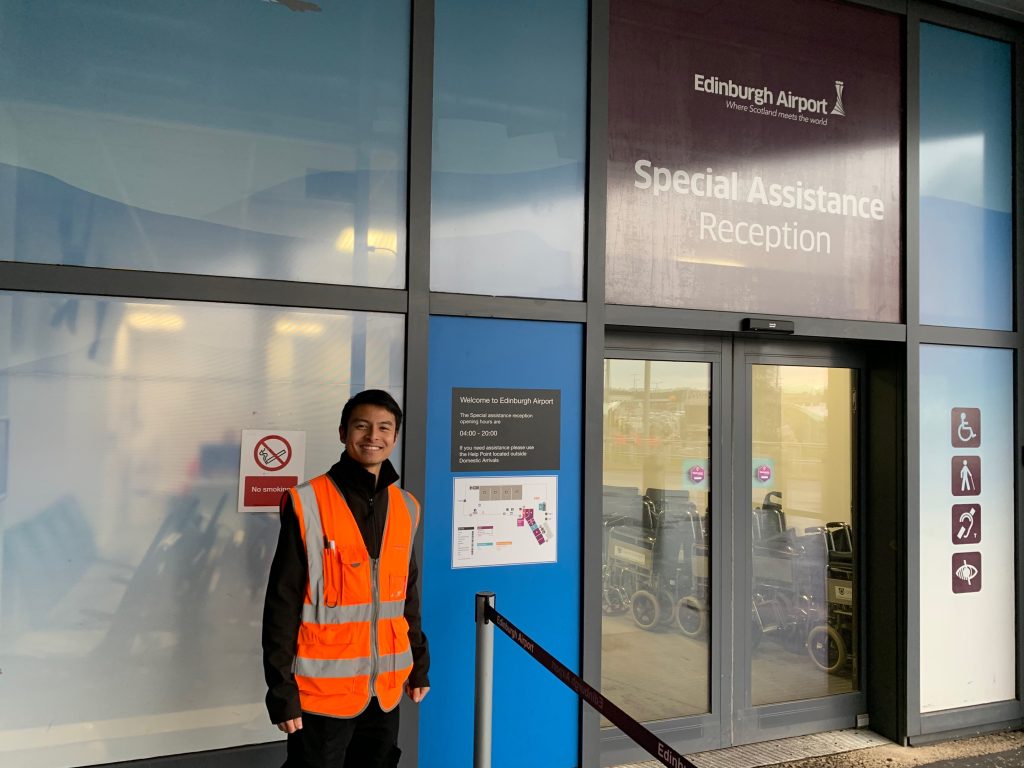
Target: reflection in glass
242,139
510,116
657,479
966,180
803,586
125,564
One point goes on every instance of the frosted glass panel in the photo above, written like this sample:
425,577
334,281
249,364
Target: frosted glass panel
206,136
966,180
510,97
968,530
131,589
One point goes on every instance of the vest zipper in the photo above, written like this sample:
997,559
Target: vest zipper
374,613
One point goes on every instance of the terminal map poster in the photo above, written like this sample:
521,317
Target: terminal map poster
506,520
754,157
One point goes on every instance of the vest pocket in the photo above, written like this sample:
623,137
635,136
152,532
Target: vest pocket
354,569
399,645
396,587
398,564
332,577
314,639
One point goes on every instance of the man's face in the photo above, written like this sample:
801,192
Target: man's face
369,436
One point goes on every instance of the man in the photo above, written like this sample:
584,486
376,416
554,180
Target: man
341,622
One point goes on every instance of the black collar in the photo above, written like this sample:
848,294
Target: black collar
348,472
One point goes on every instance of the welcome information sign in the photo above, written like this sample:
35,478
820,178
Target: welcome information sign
754,157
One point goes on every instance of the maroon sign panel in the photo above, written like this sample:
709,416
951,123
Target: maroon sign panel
754,157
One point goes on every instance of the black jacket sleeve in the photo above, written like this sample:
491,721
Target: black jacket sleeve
282,614
418,641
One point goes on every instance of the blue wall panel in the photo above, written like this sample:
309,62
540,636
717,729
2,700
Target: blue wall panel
536,718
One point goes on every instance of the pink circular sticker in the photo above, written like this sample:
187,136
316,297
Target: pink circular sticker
697,474
764,473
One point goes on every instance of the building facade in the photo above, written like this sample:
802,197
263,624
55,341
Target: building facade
705,317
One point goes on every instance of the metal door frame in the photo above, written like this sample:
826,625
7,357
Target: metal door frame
731,719
752,723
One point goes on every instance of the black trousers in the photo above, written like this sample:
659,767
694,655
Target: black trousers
368,740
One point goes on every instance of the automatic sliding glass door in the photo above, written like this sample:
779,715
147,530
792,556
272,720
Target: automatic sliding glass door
803,585
656,526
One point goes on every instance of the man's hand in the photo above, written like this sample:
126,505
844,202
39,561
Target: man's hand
416,694
291,726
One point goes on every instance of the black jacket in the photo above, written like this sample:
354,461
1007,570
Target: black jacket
286,589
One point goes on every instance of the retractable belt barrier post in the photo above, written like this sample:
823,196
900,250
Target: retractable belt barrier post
485,614
484,681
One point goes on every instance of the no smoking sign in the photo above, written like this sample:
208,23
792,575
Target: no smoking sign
272,453
272,461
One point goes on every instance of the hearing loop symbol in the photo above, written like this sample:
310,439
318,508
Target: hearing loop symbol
967,524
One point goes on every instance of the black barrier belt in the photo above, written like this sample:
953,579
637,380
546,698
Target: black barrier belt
654,746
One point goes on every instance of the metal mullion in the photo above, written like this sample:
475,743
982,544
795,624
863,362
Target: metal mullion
1018,247
967,337
731,322
590,741
168,286
468,305
421,104
963,20
910,723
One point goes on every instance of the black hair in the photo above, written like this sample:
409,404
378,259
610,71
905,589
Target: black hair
372,397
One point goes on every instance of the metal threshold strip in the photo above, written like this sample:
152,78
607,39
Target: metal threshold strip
768,753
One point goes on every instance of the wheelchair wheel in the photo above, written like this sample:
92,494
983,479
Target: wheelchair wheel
691,617
826,648
646,610
667,603
613,601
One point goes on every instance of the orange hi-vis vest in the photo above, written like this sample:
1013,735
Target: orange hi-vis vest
353,640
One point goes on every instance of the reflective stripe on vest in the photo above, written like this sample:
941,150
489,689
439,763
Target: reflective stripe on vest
344,654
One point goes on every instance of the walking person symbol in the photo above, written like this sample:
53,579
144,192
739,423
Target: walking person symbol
966,478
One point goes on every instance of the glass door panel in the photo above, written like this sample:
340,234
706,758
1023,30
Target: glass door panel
656,503
804,623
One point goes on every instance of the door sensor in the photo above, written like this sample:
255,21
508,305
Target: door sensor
767,325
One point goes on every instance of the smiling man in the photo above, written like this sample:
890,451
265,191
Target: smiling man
341,622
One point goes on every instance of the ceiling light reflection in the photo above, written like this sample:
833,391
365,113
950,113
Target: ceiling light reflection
377,241
150,320
289,326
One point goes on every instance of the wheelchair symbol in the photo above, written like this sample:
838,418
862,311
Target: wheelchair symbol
965,431
965,427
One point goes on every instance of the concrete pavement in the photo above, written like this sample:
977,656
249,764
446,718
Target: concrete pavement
997,750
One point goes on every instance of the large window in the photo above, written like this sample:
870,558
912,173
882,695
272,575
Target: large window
131,588
219,138
510,96
966,180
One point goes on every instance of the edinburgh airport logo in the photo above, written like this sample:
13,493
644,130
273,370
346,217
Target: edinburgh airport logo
838,108
764,101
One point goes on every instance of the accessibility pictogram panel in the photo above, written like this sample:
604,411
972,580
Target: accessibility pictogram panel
966,522
965,427
966,568
965,475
